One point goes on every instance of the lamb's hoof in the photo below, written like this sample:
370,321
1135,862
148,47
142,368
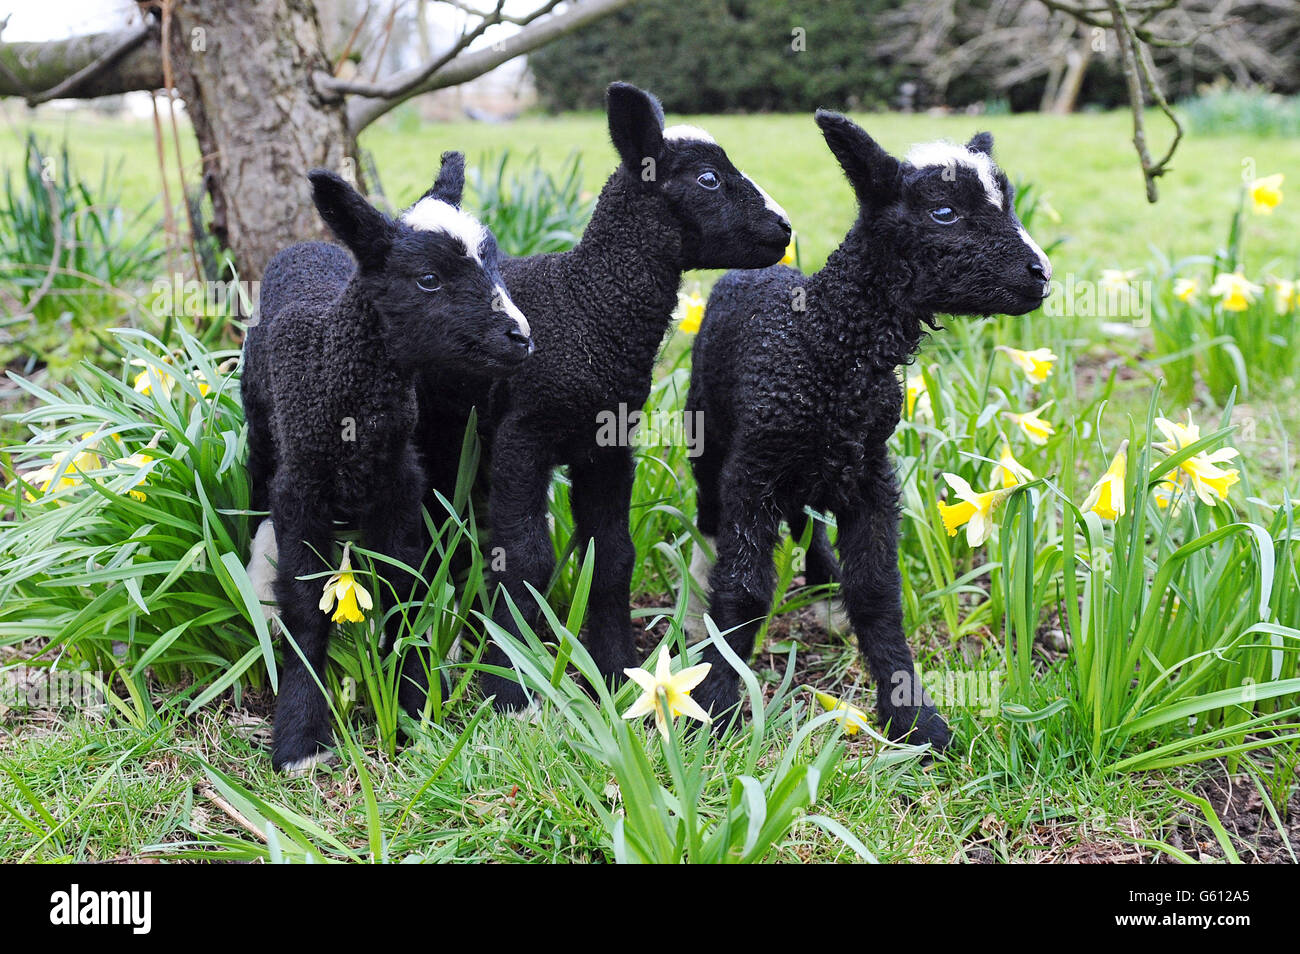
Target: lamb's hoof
832,615
299,756
695,630
508,695
918,726
719,696
531,713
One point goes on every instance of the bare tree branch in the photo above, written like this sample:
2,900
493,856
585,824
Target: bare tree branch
129,41
399,85
363,110
28,68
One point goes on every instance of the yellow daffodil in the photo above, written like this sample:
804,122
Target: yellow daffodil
1234,290
1009,470
1266,194
353,598
1036,364
200,379
1167,495
1283,294
850,717
1210,481
918,398
1106,499
667,695
65,470
975,511
1113,279
1186,289
138,461
789,258
692,313
1205,477
1032,424
150,378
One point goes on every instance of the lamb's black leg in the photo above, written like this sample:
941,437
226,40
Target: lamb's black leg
602,498
740,584
872,594
396,529
302,719
521,550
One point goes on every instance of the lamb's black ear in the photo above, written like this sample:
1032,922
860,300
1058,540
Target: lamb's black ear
873,173
981,142
636,124
450,183
366,231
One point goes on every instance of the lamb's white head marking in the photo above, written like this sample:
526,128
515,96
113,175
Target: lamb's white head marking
683,131
501,302
434,215
950,154
1037,250
771,203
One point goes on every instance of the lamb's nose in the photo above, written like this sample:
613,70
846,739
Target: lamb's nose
1037,269
521,339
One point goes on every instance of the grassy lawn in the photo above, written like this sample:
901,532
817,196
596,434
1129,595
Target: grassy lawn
1085,165
1093,646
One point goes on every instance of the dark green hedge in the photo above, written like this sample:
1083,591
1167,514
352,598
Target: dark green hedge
720,55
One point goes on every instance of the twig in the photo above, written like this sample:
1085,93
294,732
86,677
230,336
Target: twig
1139,79
388,36
231,812
170,87
501,17
466,66
396,88
115,53
169,221
352,39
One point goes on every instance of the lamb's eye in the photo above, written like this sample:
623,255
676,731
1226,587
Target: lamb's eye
429,282
944,215
709,179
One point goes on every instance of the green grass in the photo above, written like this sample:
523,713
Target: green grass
1084,164
1184,626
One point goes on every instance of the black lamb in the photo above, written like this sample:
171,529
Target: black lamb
599,313
329,394
795,376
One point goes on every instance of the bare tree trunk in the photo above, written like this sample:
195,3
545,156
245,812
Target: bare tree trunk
262,98
1072,83
245,73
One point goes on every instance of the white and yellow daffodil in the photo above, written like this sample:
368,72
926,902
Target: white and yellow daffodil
851,719
1266,194
666,694
1234,291
1106,499
1032,424
1207,479
975,511
1036,364
1009,470
692,312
